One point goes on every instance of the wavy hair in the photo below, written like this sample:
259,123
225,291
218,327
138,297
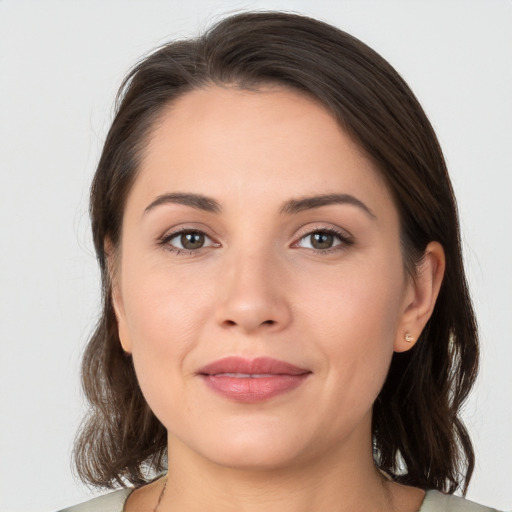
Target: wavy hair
419,438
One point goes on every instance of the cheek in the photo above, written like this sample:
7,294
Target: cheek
164,304
359,301
354,318
165,319
157,316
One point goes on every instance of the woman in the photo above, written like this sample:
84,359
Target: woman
286,320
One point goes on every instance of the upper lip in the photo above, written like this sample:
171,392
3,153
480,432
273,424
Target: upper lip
257,366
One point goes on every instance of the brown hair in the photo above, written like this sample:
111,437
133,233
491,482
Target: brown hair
419,438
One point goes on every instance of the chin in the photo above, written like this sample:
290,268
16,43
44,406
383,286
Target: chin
253,458
255,449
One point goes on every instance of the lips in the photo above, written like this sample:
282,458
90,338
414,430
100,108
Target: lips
252,380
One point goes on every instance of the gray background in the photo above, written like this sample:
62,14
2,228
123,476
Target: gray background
60,66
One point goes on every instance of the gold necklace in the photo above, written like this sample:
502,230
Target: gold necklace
385,491
162,492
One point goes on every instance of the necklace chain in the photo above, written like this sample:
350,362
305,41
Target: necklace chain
385,492
162,493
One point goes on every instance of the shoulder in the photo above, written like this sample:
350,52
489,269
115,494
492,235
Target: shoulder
436,501
112,502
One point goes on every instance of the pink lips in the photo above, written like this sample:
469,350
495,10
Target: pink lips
252,380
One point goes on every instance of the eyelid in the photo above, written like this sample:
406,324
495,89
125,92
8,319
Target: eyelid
320,226
344,237
164,240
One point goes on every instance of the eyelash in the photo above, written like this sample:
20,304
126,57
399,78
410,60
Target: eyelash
344,239
165,241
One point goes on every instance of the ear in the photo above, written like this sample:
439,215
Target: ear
117,297
420,297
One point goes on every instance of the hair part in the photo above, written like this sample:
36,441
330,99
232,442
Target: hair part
419,437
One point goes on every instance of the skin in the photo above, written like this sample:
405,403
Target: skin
258,287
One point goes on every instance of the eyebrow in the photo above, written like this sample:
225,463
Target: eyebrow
290,207
197,201
310,202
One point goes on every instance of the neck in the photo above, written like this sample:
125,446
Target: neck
326,484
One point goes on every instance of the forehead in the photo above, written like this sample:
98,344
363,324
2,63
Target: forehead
229,143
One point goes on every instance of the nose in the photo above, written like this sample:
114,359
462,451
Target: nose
253,295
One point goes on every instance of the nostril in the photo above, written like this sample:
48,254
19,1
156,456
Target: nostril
265,322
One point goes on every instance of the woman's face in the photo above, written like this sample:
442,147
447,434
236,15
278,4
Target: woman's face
258,232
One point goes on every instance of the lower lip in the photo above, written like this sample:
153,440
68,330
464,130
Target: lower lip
253,389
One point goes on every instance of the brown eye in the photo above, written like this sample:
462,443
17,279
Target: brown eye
191,241
187,241
322,240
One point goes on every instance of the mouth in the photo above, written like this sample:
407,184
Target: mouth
252,380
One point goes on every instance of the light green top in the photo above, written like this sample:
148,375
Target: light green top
434,501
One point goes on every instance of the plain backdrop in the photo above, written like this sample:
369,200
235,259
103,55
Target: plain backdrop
60,66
